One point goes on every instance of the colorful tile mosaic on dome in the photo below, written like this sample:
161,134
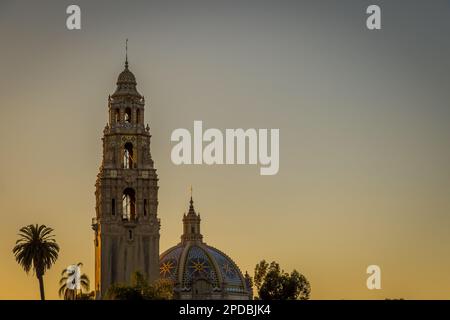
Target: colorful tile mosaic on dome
228,269
201,262
168,267
198,266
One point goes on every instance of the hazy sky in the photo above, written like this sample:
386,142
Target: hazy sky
364,132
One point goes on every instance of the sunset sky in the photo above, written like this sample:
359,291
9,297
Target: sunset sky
364,119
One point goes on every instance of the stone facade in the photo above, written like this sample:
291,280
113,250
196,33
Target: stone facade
126,225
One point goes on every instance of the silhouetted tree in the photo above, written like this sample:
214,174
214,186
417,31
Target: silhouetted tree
249,284
140,289
272,283
36,249
73,294
260,273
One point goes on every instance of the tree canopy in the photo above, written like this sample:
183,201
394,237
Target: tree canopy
272,283
140,289
37,250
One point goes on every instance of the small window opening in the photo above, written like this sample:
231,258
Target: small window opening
128,156
129,204
117,116
127,115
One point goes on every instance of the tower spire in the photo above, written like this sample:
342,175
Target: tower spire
126,53
191,204
191,224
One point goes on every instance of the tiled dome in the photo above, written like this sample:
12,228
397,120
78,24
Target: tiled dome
200,271
126,77
186,263
126,84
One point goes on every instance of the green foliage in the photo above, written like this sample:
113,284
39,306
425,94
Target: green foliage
272,283
123,292
140,289
248,280
36,250
163,289
260,273
86,296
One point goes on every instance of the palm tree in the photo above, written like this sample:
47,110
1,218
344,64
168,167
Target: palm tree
68,293
36,249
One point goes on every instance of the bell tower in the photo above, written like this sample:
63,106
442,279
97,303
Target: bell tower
126,225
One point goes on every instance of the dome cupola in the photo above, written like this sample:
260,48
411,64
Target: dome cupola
191,225
200,271
126,82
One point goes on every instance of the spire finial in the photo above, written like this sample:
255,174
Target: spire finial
191,203
126,53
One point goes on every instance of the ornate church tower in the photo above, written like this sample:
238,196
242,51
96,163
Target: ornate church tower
126,225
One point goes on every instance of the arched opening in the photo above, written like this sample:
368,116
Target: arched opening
117,116
129,204
127,115
138,116
113,207
128,155
145,207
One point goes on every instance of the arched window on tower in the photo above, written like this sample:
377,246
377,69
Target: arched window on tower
127,115
128,204
117,116
128,156
113,206
138,116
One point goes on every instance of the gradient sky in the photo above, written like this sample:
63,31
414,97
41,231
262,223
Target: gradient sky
364,132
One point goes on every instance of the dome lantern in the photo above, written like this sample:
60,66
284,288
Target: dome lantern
191,225
200,271
126,82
